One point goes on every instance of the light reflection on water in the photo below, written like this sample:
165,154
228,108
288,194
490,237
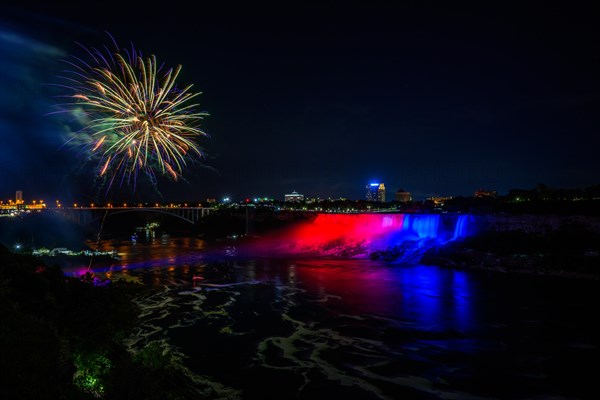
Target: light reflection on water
155,253
428,297
319,328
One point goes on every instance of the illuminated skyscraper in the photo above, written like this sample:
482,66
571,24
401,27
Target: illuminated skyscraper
381,193
19,196
372,191
376,192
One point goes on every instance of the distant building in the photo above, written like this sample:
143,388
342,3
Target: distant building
482,193
59,250
19,196
375,192
439,201
372,191
403,196
294,196
381,193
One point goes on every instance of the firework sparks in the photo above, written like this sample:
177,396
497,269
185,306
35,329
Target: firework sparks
136,117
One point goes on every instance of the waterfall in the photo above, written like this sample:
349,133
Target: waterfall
461,227
425,226
361,235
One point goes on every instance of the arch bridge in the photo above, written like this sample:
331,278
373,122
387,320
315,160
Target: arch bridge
86,215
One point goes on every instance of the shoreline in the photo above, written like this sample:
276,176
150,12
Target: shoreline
518,264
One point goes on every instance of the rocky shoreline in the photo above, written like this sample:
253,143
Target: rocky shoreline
469,259
464,258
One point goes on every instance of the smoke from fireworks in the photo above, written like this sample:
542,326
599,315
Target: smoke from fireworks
135,117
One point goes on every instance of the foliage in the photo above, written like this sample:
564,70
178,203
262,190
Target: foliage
154,355
58,338
93,371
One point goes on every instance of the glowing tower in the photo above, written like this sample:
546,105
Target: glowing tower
376,192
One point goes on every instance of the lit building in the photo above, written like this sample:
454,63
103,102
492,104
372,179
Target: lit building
294,196
439,200
403,196
376,192
18,207
481,193
372,191
381,193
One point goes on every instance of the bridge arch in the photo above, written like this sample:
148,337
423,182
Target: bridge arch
190,215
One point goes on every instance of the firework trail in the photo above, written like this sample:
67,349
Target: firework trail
136,119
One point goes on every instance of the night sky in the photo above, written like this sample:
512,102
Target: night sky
437,99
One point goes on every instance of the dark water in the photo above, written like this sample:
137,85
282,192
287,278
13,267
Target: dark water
316,329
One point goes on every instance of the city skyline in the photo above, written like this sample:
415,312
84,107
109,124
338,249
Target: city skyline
340,95
375,192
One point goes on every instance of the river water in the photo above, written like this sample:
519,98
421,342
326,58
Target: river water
303,328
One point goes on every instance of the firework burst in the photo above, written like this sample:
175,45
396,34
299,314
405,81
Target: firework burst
135,117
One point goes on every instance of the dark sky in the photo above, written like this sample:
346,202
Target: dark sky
324,97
